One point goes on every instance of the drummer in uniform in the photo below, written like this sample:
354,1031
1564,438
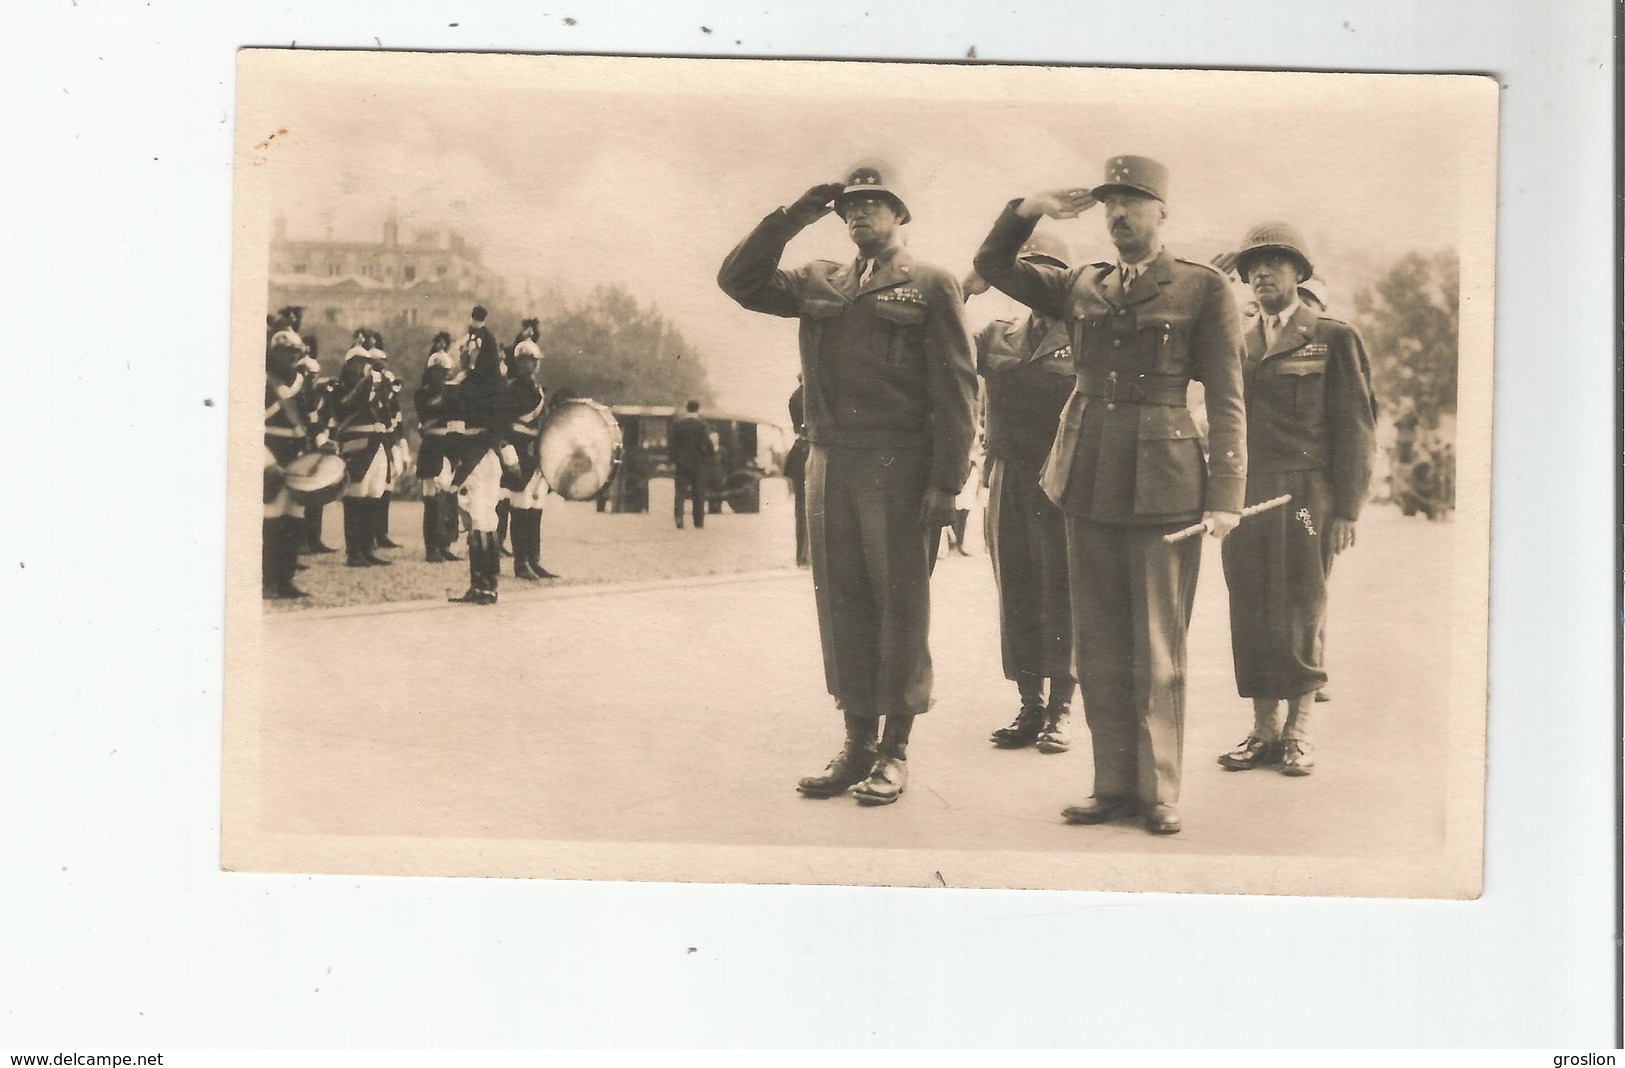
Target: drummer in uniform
527,487
432,402
1311,433
890,394
360,409
480,453
287,437
1127,468
1027,365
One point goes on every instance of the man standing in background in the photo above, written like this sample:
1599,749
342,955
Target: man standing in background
691,450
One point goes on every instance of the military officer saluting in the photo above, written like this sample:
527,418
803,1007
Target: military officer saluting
1311,434
889,390
1127,467
1027,365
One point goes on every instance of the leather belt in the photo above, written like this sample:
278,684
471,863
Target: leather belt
1162,390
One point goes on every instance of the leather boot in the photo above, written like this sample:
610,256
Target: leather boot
535,538
504,518
268,560
1053,737
1023,730
356,546
313,530
289,534
476,593
449,531
492,567
519,524
431,531
850,766
889,776
367,528
381,522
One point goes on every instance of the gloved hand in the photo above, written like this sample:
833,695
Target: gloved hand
816,202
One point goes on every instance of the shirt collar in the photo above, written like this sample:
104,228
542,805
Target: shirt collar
1285,313
1140,267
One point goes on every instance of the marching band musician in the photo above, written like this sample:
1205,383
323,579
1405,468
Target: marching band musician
480,454
389,412
1027,365
527,487
317,400
359,409
1310,433
432,402
286,437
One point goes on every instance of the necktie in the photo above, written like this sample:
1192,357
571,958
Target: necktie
1272,328
1129,275
865,272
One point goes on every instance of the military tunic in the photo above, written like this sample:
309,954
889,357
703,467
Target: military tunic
1126,467
1028,369
1310,433
889,389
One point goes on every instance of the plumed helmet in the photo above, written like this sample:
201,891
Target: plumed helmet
1273,237
527,350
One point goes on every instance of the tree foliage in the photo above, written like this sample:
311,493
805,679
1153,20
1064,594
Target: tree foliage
1410,320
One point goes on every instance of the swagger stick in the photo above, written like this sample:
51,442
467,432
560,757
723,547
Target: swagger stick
1201,528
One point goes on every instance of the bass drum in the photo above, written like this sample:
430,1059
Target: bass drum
315,478
579,450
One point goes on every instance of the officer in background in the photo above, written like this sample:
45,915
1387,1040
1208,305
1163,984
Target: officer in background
1311,433
689,443
432,402
1027,365
477,442
1127,468
360,410
527,488
890,387
286,438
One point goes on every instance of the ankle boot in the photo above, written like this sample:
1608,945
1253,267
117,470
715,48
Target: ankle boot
449,527
850,766
381,522
1053,738
889,776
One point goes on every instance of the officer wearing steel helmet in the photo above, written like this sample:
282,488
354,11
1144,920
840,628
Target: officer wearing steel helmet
1126,467
1311,434
1027,365
889,388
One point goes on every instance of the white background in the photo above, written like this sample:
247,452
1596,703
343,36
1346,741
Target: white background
116,929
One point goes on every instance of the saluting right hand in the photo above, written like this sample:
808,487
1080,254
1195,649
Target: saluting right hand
1057,203
1225,262
818,200
974,284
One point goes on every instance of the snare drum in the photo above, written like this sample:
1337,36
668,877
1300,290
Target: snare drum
315,478
579,449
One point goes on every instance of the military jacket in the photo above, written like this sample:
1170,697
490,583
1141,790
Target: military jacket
884,365
1028,370
1309,404
1127,449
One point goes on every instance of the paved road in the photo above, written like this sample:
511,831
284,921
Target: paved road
682,711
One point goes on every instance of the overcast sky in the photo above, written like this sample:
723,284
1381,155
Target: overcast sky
649,182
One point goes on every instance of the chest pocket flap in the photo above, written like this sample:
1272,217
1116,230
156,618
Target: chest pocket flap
819,307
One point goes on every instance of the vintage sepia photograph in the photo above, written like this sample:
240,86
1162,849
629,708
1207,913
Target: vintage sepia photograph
837,472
